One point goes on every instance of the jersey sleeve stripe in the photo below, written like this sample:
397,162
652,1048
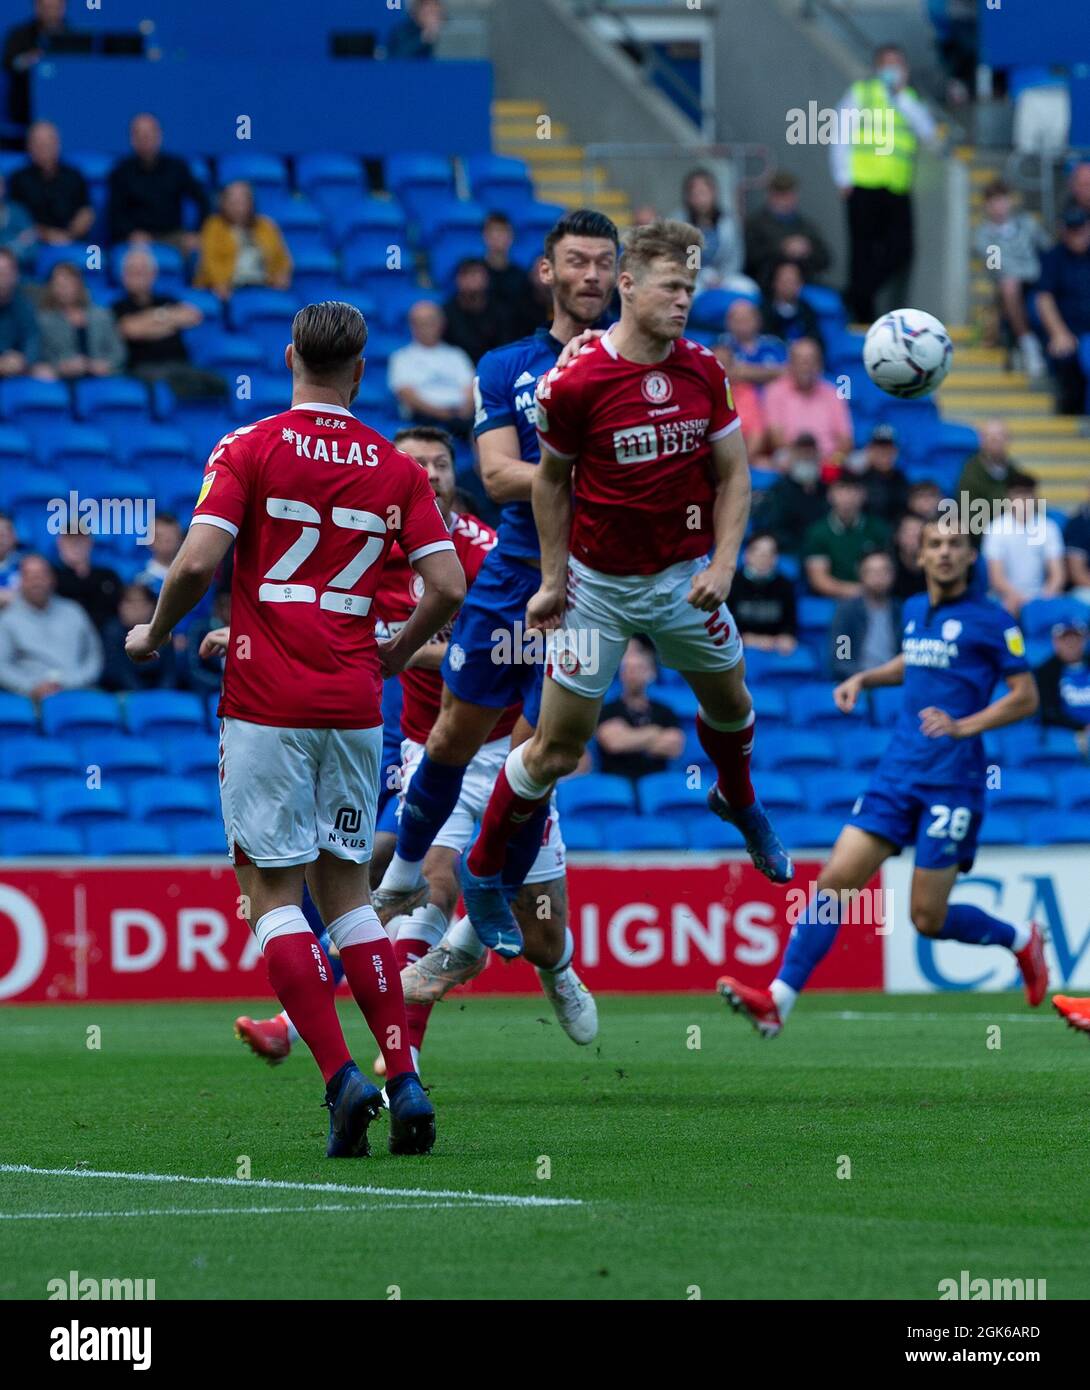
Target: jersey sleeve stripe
735,424
552,450
421,552
219,521
493,422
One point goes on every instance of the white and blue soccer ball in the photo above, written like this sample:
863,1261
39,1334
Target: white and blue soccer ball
907,353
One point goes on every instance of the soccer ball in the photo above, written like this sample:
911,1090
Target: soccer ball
907,353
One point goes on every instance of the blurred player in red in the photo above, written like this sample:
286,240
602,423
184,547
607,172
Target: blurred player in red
1074,1011
641,500
313,501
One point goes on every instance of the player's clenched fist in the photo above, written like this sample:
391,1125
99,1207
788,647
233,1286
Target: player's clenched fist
139,646
214,643
710,588
936,723
847,693
546,609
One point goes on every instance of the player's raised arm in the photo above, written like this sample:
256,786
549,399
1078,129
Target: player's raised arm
710,586
506,475
444,590
889,673
551,497
186,583
1020,701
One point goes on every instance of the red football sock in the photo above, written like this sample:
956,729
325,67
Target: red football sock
303,982
408,949
374,977
505,813
730,751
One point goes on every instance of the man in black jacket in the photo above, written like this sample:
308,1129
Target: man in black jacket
762,600
149,188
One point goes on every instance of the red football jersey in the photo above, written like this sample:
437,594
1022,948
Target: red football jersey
316,500
644,486
399,592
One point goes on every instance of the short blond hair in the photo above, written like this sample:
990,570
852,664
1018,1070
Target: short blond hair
665,240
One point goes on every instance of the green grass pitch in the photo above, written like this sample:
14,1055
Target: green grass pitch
711,1168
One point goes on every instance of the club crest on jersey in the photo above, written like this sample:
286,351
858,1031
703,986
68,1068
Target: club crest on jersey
416,588
206,486
657,388
951,630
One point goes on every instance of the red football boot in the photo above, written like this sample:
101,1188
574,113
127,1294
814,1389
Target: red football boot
265,1037
1034,967
1075,1012
756,1004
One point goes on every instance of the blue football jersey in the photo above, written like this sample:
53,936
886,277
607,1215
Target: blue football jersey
503,393
955,655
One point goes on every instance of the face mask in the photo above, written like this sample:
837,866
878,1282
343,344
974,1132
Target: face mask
805,470
891,75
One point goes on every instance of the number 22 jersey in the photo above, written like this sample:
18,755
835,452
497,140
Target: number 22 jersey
315,500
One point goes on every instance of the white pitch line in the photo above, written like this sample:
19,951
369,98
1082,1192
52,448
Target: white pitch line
270,1184
233,1211
862,1016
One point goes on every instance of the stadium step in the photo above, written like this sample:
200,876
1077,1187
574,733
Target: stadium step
558,168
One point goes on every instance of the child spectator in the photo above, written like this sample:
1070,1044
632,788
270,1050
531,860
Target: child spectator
762,599
1009,243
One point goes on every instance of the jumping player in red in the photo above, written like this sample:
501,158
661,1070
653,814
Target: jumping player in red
313,501
643,473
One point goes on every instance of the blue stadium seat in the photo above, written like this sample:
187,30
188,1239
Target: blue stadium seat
268,395
710,308
1058,751
393,301
313,270
578,835
668,793
533,221
69,800
643,833
833,794
32,758
812,704
164,713
374,394
1022,792
842,348
708,832
123,760
81,714
34,488
147,448
366,261
381,215
193,754
771,707
25,400
780,791
862,748
255,304
419,180
826,303
18,803
256,167
16,451
317,171
786,670
678,698
125,837
596,794
169,259
886,702
201,835
17,715
808,831
452,215
73,446
380,345
219,350
293,212
94,165
802,751
1040,614
448,250
1073,790
32,841
165,800
104,480
488,172
1002,828
816,614
1048,828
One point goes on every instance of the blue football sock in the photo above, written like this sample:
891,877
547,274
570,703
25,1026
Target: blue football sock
973,925
810,940
430,798
317,926
524,847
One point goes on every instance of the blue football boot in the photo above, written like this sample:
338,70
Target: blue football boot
412,1115
762,843
353,1103
487,906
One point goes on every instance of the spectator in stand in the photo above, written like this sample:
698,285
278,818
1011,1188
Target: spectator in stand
645,214
25,45
747,402
119,673
835,545
987,473
1063,306
10,559
722,257
1077,543
866,630
149,190
96,588
874,168
79,338
924,498
206,676
16,229
55,194
1010,244
909,577
509,285
46,643
166,541
476,322
757,357
786,314
802,402
20,341
1024,550
432,380
1064,680
1078,187
152,324
779,232
796,500
885,487
637,735
762,599
416,36
241,246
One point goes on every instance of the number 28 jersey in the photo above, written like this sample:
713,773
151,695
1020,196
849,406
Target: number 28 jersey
315,500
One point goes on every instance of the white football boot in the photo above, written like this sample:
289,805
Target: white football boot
573,1002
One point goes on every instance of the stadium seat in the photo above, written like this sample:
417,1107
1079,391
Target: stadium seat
164,800
1022,792
1048,828
1039,615
375,395
496,175
25,401
380,346
644,833
812,704
1002,828
381,215
863,748
808,831
802,752
123,760
315,171
313,271
81,714
164,713
125,837
678,698
169,259
268,394
70,800
148,448
533,221
17,715
709,833
220,351
293,212
366,261
32,758
193,754
200,835
392,303
832,795
418,180
452,215
825,302
578,835
669,794
255,304
1058,751
596,794
255,167
786,670
886,703
94,165
35,488
16,451
72,446
710,308
33,841
448,250
1073,790
18,803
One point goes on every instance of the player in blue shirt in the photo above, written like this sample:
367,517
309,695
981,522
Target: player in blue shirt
929,790
580,266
